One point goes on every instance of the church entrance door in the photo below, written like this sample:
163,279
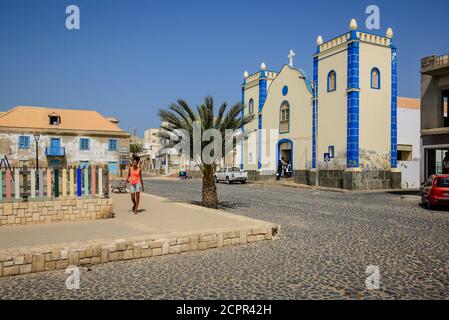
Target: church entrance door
285,150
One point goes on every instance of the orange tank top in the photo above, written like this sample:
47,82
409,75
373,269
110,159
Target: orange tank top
135,175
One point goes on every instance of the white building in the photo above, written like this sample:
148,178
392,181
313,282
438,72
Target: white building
409,141
60,138
338,128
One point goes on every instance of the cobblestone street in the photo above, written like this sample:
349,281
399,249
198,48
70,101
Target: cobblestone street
328,241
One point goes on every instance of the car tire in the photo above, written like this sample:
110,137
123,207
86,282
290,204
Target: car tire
429,206
228,181
423,201
244,181
216,179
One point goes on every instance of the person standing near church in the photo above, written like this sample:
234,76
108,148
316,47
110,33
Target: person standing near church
279,170
284,167
289,169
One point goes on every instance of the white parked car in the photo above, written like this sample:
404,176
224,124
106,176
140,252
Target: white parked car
231,174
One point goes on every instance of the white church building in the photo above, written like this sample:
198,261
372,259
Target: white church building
338,128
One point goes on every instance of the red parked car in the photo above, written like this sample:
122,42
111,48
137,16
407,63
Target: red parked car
436,191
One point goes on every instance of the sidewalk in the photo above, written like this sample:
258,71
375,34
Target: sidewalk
158,218
160,228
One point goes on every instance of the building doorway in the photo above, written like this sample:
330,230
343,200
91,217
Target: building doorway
285,151
54,163
113,168
434,159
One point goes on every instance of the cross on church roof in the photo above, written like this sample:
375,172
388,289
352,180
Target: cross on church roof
290,56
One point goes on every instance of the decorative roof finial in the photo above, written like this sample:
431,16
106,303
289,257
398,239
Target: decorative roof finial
263,66
390,33
353,25
245,74
290,56
319,40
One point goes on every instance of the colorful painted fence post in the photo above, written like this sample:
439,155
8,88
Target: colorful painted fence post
17,183
1,184
56,184
106,180
8,184
41,183
86,181
93,182
64,182
100,181
33,182
72,182
25,181
49,183
78,182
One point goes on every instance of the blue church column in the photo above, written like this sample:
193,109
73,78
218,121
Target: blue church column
243,127
394,109
353,103
262,98
315,111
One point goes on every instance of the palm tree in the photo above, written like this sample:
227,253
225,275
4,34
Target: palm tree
136,148
180,116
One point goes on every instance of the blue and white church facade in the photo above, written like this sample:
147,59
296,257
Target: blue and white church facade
338,128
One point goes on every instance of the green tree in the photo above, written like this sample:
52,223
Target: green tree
180,116
136,148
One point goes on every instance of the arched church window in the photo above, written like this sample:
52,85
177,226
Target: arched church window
251,106
331,81
284,121
375,78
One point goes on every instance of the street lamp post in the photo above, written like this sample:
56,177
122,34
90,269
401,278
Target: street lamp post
315,105
36,140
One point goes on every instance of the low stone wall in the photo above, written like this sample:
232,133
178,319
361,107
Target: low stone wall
302,176
255,175
371,180
20,261
50,211
331,178
341,179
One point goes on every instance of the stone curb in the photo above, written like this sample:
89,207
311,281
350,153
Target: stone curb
305,186
26,260
411,198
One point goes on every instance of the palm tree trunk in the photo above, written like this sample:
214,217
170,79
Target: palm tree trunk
210,198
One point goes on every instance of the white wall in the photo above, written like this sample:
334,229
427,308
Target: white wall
409,133
300,131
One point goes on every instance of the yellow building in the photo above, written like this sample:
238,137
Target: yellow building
338,129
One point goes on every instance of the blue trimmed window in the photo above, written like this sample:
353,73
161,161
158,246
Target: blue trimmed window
84,144
84,165
331,81
284,117
112,145
24,142
375,78
251,106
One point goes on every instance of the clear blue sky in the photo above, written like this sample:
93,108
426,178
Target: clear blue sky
132,57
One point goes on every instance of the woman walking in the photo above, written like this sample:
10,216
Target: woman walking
135,183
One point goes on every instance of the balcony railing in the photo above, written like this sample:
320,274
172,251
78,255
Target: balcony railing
55,151
434,62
